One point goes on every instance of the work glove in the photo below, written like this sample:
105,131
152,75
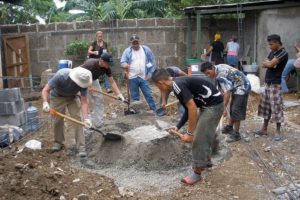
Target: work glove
87,123
120,96
46,107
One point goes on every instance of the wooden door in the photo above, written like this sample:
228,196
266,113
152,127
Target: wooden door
17,62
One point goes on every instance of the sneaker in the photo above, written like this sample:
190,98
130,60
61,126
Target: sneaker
260,133
277,137
109,91
235,136
82,152
57,147
227,129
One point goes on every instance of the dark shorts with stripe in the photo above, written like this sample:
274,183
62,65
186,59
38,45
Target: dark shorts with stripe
238,107
271,103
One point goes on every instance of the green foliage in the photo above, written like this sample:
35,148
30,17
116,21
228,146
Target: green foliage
77,48
26,11
107,10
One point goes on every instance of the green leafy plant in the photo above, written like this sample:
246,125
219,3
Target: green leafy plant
77,48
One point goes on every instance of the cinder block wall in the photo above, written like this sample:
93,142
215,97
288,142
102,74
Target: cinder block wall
165,36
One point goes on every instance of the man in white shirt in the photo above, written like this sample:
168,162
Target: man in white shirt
138,62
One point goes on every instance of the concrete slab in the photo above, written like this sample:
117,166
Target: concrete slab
9,108
289,104
16,119
10,95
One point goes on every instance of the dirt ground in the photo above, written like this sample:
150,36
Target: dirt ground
254,168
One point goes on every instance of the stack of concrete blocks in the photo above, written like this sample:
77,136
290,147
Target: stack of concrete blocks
12,108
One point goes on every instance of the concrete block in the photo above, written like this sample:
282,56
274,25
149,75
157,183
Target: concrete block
145,22
9,29
10,95
127,23
16,119
28,28
9,108
65,26
85,25
46,27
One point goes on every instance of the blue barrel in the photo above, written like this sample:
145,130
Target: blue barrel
32,114
64,64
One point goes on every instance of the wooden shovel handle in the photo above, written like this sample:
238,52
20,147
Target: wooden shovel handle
176,133
55,113
116,98
172,103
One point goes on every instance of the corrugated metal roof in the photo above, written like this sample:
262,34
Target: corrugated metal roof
247,6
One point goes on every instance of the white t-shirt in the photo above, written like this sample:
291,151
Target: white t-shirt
138,63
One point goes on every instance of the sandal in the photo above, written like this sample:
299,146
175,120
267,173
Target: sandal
192,179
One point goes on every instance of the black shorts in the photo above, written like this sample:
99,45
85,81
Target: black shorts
238,107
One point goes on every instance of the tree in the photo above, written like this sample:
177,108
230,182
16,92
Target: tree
26,11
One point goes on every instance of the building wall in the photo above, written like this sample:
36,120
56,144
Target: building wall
166,37
284,22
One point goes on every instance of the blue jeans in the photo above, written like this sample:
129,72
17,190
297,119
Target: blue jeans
287,69
106,82
135,84
233,61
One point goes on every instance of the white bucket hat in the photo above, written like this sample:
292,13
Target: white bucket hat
81,76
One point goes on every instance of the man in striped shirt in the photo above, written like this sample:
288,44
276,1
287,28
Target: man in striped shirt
271,102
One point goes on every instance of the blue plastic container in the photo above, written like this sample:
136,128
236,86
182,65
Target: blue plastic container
32,114
64,64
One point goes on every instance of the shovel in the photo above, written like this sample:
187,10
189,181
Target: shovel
94,90
129,111
162,111
107,136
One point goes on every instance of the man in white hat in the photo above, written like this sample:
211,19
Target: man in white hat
63,88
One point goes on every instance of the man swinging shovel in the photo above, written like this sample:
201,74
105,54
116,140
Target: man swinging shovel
98,68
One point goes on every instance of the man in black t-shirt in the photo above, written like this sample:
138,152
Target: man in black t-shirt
100,67
271,103
194,93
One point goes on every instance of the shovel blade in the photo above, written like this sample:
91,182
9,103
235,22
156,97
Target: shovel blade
112,137
108,136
